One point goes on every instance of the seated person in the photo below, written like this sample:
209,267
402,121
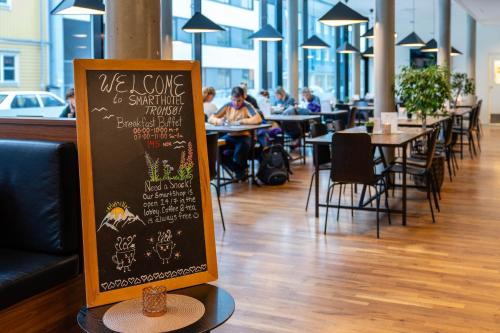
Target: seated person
209,107
248,98
310,101
70,110
237,112
282,99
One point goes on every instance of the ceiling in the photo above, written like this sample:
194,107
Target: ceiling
484,11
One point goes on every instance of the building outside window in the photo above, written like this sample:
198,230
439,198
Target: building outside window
9,68
247,4
5,4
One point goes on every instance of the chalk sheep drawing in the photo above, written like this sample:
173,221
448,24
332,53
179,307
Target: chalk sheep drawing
124,256
164,246
118,216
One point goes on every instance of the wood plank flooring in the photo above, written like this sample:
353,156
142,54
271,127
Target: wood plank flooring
286,276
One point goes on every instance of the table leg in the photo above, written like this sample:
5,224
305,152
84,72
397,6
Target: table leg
217,158
461,138
252,155
403,187
316,181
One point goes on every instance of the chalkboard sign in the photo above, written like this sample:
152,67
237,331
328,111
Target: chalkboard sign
146,202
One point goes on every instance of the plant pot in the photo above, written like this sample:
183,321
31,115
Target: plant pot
369,129
409,115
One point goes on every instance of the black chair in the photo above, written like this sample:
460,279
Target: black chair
470,131
351,122
324,155
213,151
356,168
362,115
423,168
446,147
341,121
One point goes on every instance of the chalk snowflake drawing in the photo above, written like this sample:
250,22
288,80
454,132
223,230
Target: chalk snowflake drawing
118,215
124,256
164,246
184,172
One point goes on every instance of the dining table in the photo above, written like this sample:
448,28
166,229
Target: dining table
228,129
418,122
302,120
401,139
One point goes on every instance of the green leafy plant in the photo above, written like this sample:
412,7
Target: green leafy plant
424,90
461,84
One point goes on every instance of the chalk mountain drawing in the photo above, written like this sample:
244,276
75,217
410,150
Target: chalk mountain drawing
118,216
99,109
108,117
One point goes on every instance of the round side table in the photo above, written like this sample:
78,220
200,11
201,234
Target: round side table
219,307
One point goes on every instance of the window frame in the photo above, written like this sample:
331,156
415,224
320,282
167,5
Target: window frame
14,82
230,3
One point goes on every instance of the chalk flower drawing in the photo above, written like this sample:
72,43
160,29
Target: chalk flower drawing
184,172
124,256
118,215
164,246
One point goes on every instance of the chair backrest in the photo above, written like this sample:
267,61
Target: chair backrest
39,196
212,147
478,112
448,130
473,117
324,155
352,158
351,121
431,147
361,103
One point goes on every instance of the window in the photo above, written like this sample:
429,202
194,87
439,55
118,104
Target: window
226,78
219,38
48,101
24,101
8,68
180,34
2,97
246,4
239,38
5,4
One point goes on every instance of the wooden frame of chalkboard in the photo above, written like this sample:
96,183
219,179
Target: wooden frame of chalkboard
137,120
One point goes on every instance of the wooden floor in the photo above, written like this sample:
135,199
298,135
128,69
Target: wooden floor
286,276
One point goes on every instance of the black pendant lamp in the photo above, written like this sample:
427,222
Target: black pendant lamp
412,40
79,7
314,43
368,53
347,48
369,34
200,23
431,46
455,52
267,34
342,14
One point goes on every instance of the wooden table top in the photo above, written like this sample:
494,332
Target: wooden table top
331,113
383,140
459,112
431,121
292,117
234,128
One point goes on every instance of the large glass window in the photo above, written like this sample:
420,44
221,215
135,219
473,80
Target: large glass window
178,33
247,4
5,4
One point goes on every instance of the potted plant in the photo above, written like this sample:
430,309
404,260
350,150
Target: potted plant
424,90
369,126
461,84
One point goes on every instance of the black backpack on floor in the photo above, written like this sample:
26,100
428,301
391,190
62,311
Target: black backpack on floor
274,168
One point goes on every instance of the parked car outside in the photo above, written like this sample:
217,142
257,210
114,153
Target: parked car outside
30,104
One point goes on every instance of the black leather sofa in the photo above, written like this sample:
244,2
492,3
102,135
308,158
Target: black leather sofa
39,217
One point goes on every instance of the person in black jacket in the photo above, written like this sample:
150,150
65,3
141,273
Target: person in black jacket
250,99
70,110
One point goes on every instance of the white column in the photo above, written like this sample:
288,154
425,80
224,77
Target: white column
293,45
132,29
357,61
384,56
470,52
166,29
444,36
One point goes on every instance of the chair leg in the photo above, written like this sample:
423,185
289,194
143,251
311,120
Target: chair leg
327,203
310,188
429,198
448,163
217,190
478,137
386,190
471,139
352,201
340,196
434,189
